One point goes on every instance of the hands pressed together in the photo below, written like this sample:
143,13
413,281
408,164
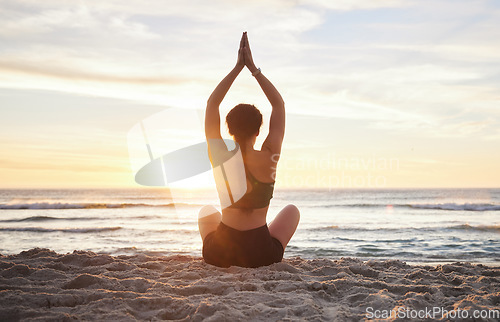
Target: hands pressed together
277,122
245,55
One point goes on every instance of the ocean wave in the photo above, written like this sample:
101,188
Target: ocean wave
493,228
86,218
47,218
484,228
353,205
456,206
60,205
437,206
63,230
359,229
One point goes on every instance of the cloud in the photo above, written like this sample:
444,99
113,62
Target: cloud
347,5
78,18
68,73
133,49
402,73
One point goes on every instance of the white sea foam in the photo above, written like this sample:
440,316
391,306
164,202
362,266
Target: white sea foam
62,205
458,206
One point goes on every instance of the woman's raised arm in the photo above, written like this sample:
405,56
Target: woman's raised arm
277,123
212,115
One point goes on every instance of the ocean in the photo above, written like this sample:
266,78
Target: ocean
413,225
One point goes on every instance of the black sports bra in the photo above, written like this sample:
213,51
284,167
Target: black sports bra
258,197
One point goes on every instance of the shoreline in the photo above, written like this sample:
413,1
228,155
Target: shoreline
435,263
42,284
441,263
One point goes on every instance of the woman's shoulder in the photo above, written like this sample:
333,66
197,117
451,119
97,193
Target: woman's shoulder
262,157
261,164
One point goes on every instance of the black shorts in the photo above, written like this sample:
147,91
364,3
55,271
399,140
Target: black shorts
227,246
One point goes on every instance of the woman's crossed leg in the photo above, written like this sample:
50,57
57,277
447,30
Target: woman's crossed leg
284,225
208,220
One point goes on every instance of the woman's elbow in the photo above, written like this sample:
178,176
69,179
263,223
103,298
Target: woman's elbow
279,104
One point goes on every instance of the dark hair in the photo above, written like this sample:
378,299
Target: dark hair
243,121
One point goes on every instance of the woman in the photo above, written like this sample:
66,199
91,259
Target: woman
240,236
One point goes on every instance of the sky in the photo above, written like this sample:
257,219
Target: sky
379,94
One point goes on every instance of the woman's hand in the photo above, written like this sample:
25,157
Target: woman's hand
240,63
248,54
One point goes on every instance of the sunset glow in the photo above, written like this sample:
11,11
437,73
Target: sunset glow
379,94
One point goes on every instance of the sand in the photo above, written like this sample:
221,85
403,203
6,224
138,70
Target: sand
40,284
